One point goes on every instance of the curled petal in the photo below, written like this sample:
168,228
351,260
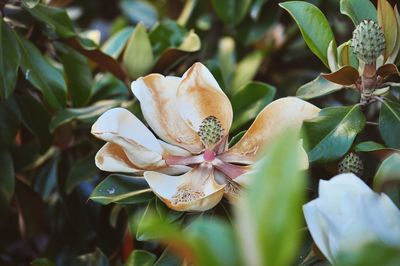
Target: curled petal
121,127
157,96
276,118
194,191
112,158
199,96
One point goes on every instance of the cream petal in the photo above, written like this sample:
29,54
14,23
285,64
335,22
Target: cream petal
121,127
112,158
194,191
157,96
274,119
200,96
172,150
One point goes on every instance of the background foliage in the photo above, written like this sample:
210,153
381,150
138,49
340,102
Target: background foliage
65,62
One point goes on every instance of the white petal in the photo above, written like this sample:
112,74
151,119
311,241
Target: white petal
112,158
157,96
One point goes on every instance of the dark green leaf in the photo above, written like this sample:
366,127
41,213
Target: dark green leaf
42,75
30,3
96,258
267,237
256,8
139,11
7,179
317,88
369,146
107,86
249,101
87,113
83,169
388,172
231,11
78,75
9,122
331,134
236,138
358,10
55,18
38,123
115,45
168,258
46,179
42,262
314,27
122,189
10,58
389,123
140,258
138,56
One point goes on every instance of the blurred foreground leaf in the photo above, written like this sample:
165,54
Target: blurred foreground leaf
388,172
389,123
140,258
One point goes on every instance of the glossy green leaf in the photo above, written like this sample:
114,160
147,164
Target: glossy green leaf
87,113
140,258
30,3
38,123
246,70
231,11
82,170
122,189
266,236
78,75
107,86
46,179
7,179
249,101
9,122
389,123
346,56
139,11
371,254
42,75
317,88
55,18
314,27
10,58
358,10
331,134
138,56
388,172
117,42
369,146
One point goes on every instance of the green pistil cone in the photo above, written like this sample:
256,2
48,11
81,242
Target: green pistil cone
210,131
368,41
351,163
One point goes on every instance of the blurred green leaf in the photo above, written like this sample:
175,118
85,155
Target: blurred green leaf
274,198
369,146
246,70
42,75
166,213
249,101
78,75
256,8
86,113
167,258
314,27
30,3
7,179
9,122
388,172
107,86
116,43
138,56
55,18
370,255
358,10
97,258
42,262
236,138
140,258
139,11
227,58
317,88
38,123
46,179
231,11
331,134
82,170
10,58
389,123
121,189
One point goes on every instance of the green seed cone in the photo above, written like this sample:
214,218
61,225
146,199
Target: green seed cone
368,41
210,131
351,163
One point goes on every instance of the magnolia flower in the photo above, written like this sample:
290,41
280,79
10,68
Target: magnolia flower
348,214
189,167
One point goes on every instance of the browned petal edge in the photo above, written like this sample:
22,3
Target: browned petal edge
345,76
387,70
117,152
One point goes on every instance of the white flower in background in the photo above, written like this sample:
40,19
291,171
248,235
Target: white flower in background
192,116
348,214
